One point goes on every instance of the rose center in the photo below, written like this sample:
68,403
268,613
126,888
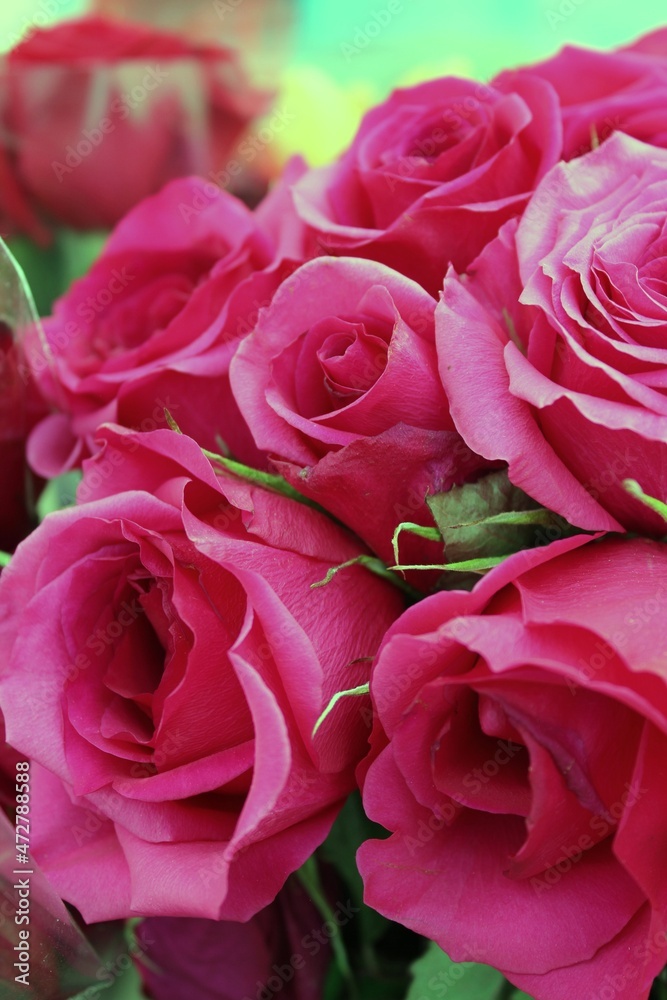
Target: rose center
352,360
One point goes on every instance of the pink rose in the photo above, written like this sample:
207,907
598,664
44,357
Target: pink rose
606,92
430,177
164,663
572,392
152,325
519,748
339,384
274,953
97,114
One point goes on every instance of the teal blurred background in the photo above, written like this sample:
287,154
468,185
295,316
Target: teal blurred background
332,59
482,35
479,36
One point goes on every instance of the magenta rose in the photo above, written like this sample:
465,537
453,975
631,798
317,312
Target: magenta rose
98,114
606,92
519,748
339,384
430,176
164,662
152,325
275,952
571,393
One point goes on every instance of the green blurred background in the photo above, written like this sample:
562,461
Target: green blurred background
479,35
331,59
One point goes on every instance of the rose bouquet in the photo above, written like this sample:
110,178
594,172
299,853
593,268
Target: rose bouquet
344,674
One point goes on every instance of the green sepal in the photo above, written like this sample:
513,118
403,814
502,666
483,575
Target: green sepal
414,529
632,487
466,566
492,517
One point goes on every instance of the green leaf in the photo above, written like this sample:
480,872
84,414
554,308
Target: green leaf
659,988
351,829
51,270
19,314
17,306
434,974
58,493
492,518
42,267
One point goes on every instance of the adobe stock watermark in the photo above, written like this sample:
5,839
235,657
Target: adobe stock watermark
599,133
37,354
248,150
444,813
105,466
637,618
311,944
119,109
615,983
426,653
600,826
452,120
40,18
450,978
300,783
565,9
364,34
224,8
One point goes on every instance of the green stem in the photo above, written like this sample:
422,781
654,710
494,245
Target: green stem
309,876
267,480
5,559
255,476
376,566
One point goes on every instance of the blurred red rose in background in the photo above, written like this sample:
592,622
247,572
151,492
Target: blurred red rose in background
97,114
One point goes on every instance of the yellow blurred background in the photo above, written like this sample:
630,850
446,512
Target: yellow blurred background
331,59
